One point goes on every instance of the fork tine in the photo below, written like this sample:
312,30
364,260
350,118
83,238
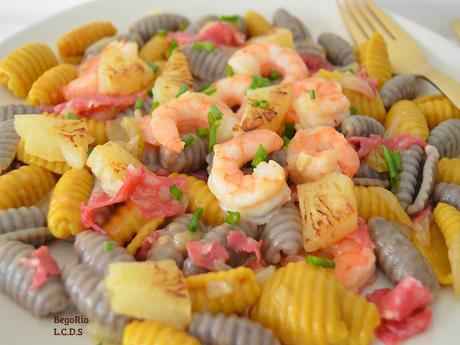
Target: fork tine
356,31
363,18
386,22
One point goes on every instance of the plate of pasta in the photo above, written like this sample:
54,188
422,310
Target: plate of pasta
219,173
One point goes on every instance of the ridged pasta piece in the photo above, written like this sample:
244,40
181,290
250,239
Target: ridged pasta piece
436,254
379,202
22,67
256,24
87,292
448,171
47,89
238,290
97,129
155,49
192,158
195,26
25,186
370,182
33,236
411,161
124,223
151,157
376,59
150,25
448,219
365,171
99,45
446,138
428,177
282,234
199,195
15,279
284,19
300,303
221,329
402,86
361,126
152,225
360,316
15,219
366,106
437,109
151,333
89,246
55,167
72,45
405,118
8,143
397,256
73,189
447,193
7,112
310,47
207,66
339,52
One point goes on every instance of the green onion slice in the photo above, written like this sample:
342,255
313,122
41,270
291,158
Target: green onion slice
108,246
73,116
188,140
182,89
261,104
229,71
153,66
353,111
230,19
172,45
258,82
319,261
260,156
289,130
212,137
206,46
176,193
312,94
183,26
232,217
202,132
139,103
154,106
162,32
195,219
275,75
210,90
214,115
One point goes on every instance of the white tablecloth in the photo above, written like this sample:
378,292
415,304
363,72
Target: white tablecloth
17,14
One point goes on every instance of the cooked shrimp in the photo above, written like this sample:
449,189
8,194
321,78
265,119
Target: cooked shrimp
318,102
231,90
262,59
315,152
186,114
86,84
255,195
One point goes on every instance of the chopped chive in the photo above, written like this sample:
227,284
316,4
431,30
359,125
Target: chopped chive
73,116
229,71
134,39
286,141
154,106
351,70
275,75
261,104
183,26
150,93
204,87
139,103
319,261
210,90
176,193
312,94
206,46
202,132
289,130
108,246
260,156
172,46
188,140
396,157
230,19
153,66
214,115
391,167
195,219
182,89
162,32
258,82
212,137
353,111
232,217
90,149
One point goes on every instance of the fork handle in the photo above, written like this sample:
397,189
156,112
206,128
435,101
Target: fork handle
448,85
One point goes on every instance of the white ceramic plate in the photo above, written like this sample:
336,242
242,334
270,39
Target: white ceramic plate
17,327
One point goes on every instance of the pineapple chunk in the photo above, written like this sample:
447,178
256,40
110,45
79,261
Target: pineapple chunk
108,163
121,71
329,211
266,107
53,139
153,291
175,73
278,36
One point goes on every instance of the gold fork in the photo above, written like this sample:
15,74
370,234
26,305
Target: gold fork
362,19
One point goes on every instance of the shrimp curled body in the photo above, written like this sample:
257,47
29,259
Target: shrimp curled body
254,196
231,90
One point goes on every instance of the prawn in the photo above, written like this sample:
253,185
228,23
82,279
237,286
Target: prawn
254,196
318,102
231,90
186,114
262,59
87,83
354,258
315,152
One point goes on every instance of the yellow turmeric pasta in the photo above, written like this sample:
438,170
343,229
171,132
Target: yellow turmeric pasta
448,171
25,186
73,44
56,167
155,49
96,128
374,57
20,69
146,230
372,107
300,303
150,333
71,191
405,118
47,88
436,109
256,24
226,292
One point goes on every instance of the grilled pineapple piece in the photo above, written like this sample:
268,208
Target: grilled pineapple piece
278,36
108,163
175,73
121,71
153,291
329,211
53,139
266,107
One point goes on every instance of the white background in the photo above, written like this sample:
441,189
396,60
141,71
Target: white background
435,14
